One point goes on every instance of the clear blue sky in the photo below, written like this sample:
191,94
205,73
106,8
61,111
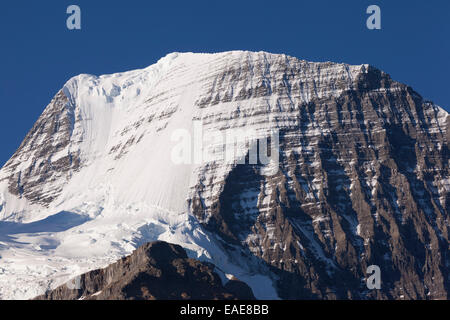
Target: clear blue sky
38,54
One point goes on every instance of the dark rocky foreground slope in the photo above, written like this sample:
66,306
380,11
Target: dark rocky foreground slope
156,270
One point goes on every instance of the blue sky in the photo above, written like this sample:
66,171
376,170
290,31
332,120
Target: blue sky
38,54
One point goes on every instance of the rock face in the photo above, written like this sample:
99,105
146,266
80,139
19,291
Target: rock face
362,178
50,139
155,271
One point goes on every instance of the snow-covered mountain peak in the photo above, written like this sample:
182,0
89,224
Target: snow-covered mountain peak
112,117
95,176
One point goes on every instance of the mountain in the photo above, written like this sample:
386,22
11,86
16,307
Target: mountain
156,270
358,175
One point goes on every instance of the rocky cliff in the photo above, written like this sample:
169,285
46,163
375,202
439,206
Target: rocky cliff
155,271
361,178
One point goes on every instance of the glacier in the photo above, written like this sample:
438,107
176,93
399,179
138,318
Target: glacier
81,194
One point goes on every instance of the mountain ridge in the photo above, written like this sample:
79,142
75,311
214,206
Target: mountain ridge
360,155
155,271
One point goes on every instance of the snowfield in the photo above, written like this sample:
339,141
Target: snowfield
95,177
125,193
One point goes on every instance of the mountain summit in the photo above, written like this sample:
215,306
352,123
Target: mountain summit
361,178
